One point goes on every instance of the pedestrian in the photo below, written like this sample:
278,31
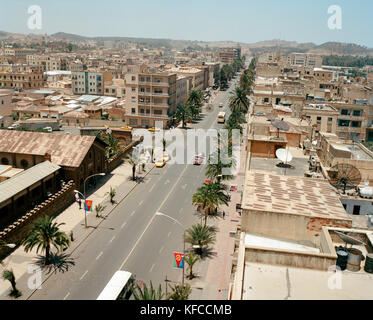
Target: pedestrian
80,203
223,214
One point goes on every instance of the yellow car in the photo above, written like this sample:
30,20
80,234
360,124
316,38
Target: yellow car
126,128
160,163
153,129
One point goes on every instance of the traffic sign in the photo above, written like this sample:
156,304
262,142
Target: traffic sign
178,260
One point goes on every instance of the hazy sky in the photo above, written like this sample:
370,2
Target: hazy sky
236,20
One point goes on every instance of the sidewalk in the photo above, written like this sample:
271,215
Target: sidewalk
73,217
214,273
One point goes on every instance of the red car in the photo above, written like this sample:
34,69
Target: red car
198,159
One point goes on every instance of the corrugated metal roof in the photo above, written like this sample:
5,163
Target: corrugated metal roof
25,179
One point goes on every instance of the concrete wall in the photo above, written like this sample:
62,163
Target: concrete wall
289,258
288,226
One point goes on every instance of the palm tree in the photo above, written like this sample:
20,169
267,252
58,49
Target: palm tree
201,236
180,292
9,275
113,145
147,293
215,167
133,161
99,208
112,193
195,98
191,259
183,114
239,101
234,121
44,234
209,197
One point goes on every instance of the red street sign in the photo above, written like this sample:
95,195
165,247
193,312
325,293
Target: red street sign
88,205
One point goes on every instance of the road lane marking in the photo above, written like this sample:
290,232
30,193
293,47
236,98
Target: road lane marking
83,275
161,249
141,202
123,224
181,209
151,269
167,181
151,189
132,213
66,296
100,254
111,240
169,234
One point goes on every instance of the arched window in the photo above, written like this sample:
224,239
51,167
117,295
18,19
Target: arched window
4,161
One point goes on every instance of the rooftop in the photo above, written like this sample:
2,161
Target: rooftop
25,179
65,149
291,195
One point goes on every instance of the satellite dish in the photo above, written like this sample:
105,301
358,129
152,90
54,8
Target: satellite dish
345,176
349,240
280,125
284,155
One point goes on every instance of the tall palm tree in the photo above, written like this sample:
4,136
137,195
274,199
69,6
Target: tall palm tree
239,101
215,167
46,234
147,293
183,114
113,144
201,236
195,98
133,161
209,197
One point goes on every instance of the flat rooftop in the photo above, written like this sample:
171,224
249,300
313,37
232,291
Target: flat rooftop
274,282
292,195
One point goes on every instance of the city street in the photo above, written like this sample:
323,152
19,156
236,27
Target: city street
132,238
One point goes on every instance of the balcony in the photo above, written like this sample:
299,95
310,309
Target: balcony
160,84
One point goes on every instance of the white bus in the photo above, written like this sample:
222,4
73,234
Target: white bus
119,287
221,117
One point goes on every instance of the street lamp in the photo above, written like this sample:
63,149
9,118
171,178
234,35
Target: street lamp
182,226
9,245
93,175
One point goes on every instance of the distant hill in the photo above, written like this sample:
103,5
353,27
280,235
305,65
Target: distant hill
328,48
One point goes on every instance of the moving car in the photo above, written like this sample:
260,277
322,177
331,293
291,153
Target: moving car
221,117
198,159
159,163
220,105
153,129
166,157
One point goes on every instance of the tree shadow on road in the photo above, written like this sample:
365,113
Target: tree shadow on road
60,262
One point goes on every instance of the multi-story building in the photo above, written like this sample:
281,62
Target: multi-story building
49,63
197,76
150,96
90,82
352,121
181,90
322,117
228,55
21,77
304,60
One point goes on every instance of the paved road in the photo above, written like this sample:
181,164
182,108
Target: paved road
132,238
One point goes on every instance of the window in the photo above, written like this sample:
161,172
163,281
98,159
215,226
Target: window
318,118
357,113
141,110
345,112
133,110
343,123
133,122
133,78
145,123
157,111
330,119
4,161
356,124
133,89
